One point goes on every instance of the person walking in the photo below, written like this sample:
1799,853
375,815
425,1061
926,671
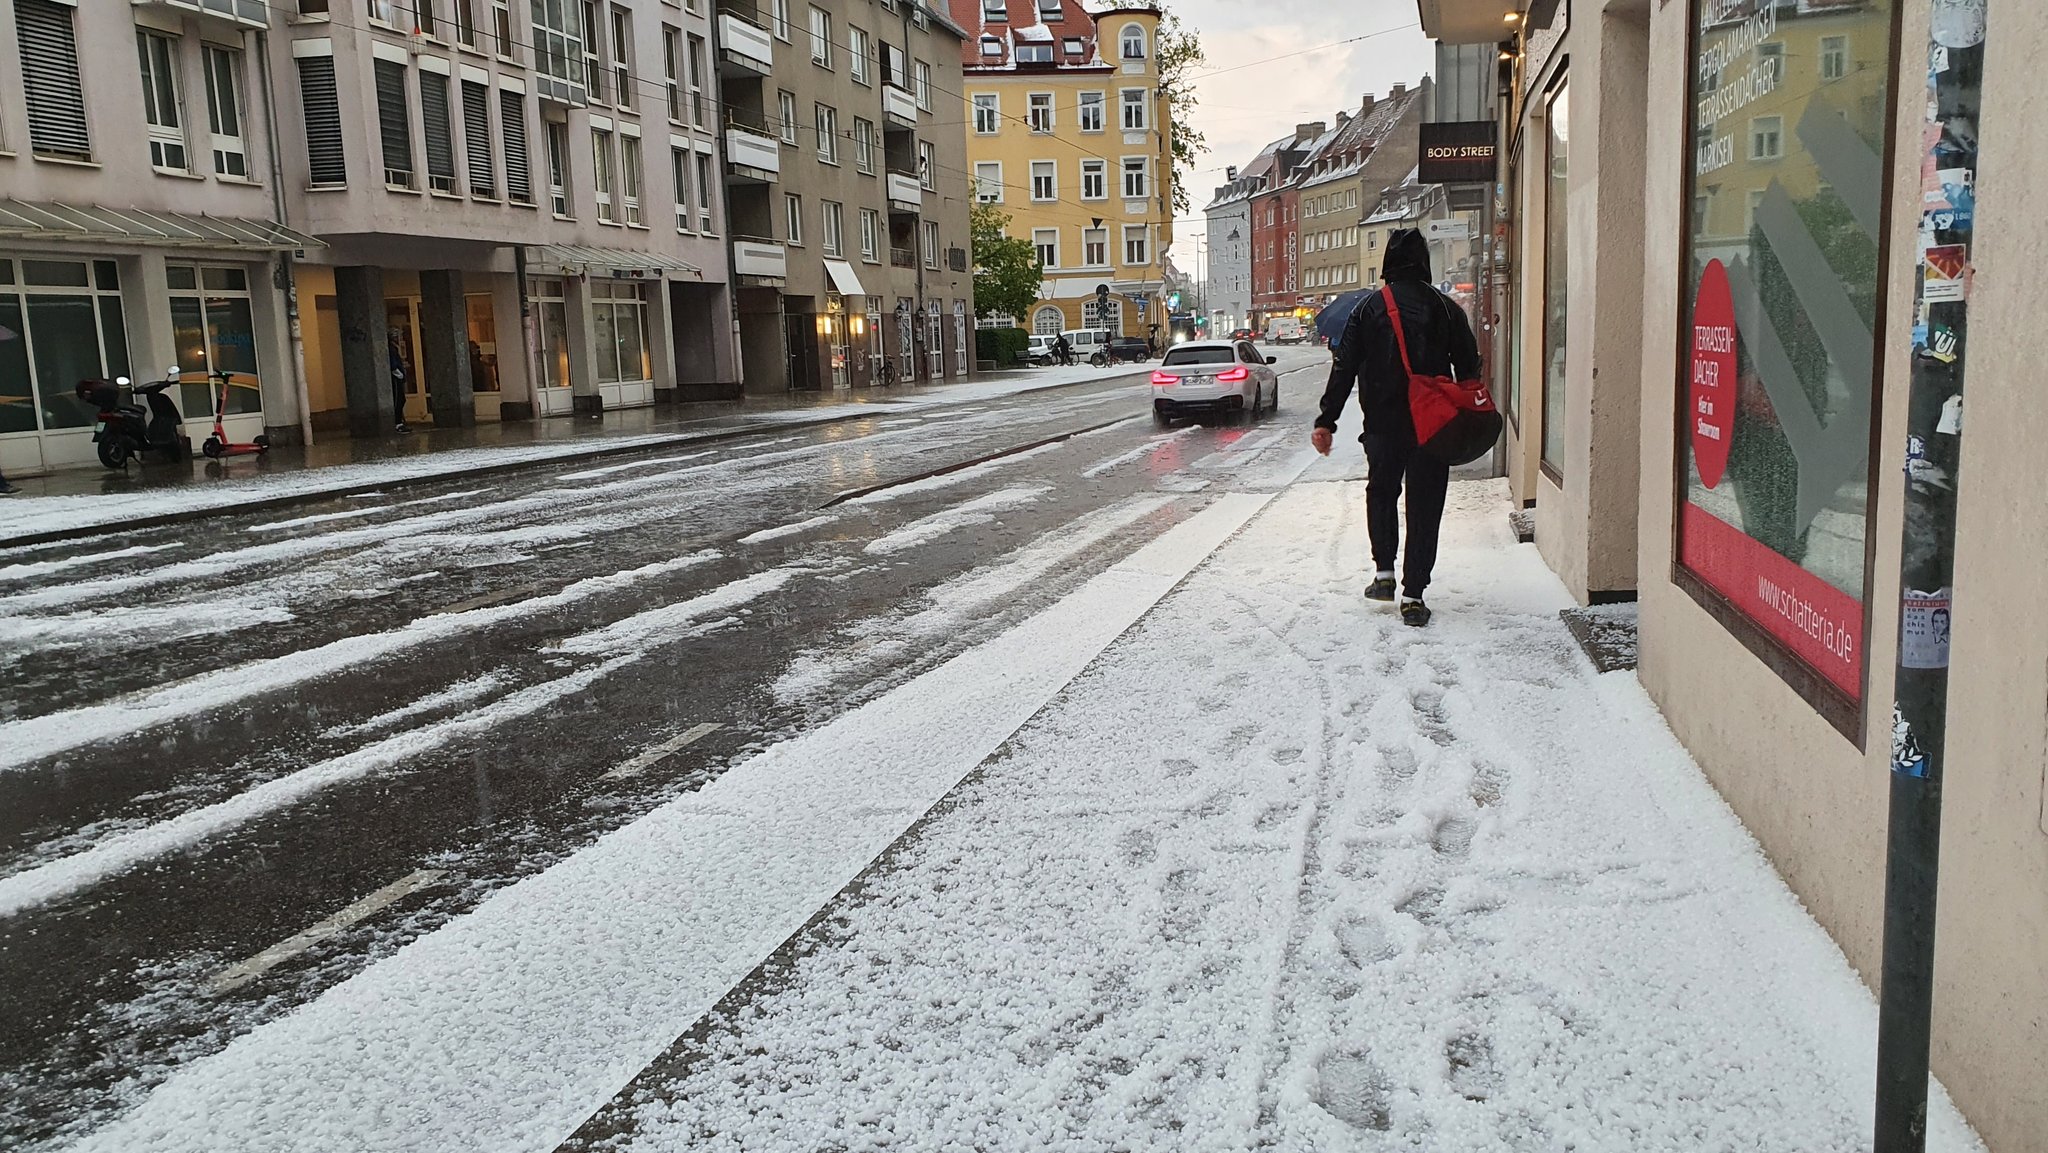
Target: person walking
1368,356
1062,352
398,381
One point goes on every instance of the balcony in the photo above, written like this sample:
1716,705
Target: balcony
745,48
902,258
899,107
905,193
760,263
752,155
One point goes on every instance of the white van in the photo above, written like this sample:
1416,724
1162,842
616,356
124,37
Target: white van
1284,330
1086,342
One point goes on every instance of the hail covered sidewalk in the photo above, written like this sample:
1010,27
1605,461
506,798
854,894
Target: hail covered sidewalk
1278,872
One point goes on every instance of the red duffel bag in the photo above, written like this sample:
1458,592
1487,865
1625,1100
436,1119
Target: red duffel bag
1455,420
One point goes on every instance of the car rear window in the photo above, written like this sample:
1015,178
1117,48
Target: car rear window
1199,356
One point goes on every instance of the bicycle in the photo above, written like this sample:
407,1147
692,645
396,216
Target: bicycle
886,375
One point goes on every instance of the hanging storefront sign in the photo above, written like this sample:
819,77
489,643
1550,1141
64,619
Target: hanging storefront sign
1457,152
1778,365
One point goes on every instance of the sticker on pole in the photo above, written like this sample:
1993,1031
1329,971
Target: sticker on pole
1924,629
1713,374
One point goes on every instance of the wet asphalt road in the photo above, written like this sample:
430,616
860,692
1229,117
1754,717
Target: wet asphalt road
212,745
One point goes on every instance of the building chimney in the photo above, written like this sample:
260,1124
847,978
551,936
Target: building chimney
1343,118
1310,131
1399,91
1366,107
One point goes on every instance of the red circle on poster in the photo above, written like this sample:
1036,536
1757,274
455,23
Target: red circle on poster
1712,416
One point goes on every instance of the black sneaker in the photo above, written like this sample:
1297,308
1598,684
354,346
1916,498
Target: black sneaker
403,427
1414,614
1381,589
7,489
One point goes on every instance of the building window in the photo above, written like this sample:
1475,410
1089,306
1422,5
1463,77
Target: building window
1099,316
1834,58
1775,55
1134,109
679,177
1040,114
785,107
161,110
214,330
1137,177
1047,242
1095,180
465,23
1040,53
1767,138
518,166
593,51
1073,46
988,181
931,244
1137,245
618,322
857,55
552,313
927,166
828,134
601,174
622,55
1044,180
671,69
67,318
326,157
1133,41
864,145
707,189
991,48
425,17
501,29
997,11
793,219
476,135
832,224
394,127
630,176
988,115
1048,321
1095,247
557,51
224,112
921,74
821,37
440,136
558,168
870,234
1091,111
778,17
700,106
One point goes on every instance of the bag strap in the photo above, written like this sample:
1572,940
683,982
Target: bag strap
1394,318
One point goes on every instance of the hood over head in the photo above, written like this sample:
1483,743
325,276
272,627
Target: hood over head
1407,257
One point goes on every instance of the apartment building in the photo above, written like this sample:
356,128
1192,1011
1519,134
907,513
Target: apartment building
1068,132
1343,179
1276,229
848,188
1228,217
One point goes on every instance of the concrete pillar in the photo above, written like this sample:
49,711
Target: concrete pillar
365,348
146,310
515,362
275,366
661,340
583,393
444,348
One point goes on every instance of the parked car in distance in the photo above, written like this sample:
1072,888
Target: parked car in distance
1129,348
1086,342
1285,330
1243,334
1038,350
1230,377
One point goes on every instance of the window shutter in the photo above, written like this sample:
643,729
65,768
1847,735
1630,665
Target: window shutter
476,129
518,168
392,124
50,84
326,161
440,136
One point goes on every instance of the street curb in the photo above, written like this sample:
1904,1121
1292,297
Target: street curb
187,516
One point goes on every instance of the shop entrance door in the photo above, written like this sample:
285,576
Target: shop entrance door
801,334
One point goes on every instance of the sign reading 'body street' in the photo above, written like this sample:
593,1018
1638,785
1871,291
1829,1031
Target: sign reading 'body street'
1458,152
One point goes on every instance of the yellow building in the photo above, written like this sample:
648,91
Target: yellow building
1068,132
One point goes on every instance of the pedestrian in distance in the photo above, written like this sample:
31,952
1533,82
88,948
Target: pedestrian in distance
1367,355
1063,352
398,382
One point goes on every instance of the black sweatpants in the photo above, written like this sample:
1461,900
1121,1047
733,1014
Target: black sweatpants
1389,462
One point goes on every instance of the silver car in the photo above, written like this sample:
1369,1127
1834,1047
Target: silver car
1230,377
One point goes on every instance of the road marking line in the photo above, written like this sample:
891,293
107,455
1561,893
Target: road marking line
639,764
237,975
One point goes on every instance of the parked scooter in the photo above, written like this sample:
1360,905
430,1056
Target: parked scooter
124,429
218,445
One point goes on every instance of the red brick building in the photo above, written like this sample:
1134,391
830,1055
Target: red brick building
1276,229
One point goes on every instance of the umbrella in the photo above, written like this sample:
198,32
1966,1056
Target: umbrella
1335,315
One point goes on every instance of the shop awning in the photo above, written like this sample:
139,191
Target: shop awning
571,258
39,220
843,278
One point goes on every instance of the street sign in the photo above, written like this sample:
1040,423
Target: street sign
1448,230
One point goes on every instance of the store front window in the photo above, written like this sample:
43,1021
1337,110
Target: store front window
215,331
483,343
63,324
1779,352
619,316
552,310
1556,276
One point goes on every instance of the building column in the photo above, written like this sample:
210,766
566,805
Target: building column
276,362
515,359
661,340
583,393
365,348
145,297
444,348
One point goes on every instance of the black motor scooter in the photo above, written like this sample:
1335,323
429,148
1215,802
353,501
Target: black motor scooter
125,429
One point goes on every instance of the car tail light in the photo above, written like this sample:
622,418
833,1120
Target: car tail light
1165,378
1233,375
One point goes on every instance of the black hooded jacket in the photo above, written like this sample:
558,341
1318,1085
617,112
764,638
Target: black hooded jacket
1440,343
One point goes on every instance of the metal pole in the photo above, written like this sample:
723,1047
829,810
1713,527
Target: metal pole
1934,426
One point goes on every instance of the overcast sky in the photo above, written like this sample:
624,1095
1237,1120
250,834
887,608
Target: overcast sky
1244,108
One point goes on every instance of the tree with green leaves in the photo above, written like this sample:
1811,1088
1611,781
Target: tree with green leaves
1179,53
1007,273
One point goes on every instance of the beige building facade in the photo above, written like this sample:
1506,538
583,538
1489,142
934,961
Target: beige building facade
1725,247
